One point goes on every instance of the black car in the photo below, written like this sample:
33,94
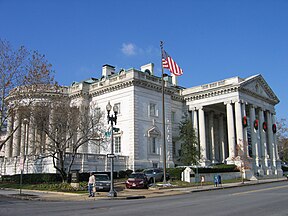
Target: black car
102,182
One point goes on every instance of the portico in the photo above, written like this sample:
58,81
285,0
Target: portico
218,111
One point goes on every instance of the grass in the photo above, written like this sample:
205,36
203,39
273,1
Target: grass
65,187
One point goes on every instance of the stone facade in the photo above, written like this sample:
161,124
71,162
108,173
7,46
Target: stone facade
217,111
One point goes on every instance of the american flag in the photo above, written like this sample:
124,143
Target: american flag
170,64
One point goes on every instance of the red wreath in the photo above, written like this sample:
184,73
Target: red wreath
274,128
256,124
264,126
245,123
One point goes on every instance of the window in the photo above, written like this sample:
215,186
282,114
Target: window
172,117
152,109
153,145
118,105
117,144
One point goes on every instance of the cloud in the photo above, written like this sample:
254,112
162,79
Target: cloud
128,49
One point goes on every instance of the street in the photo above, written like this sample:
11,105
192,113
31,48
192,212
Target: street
265,199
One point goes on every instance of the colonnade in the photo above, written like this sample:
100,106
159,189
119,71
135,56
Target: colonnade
27,139
224,137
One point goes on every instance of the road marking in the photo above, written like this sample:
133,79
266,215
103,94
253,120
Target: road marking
260,190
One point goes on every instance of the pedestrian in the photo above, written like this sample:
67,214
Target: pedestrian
215,180
202,180
219,180
91,185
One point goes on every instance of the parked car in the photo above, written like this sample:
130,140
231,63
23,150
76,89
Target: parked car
155,174
102,182
137,180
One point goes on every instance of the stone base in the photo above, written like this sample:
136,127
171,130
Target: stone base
204,163
75,185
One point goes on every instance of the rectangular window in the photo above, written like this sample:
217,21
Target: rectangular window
152,109
118,105
172,117
153,145
117,144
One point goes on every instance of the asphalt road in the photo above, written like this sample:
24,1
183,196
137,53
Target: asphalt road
266,199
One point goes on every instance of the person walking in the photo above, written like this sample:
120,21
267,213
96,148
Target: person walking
215,180
91,185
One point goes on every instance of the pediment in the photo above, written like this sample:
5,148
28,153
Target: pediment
257,86
154,131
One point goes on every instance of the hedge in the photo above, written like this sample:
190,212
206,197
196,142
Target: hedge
33,178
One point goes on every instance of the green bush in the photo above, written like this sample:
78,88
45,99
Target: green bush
175,173
285,168
33,178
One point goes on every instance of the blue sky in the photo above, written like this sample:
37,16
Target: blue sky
209,39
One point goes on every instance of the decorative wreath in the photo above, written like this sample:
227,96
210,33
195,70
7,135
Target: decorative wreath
274,128
264,126
245,121
256,124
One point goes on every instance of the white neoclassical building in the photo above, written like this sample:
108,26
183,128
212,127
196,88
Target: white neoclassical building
219,112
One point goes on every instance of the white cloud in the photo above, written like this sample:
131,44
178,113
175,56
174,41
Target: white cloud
128,49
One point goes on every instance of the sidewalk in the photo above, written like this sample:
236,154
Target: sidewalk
124,194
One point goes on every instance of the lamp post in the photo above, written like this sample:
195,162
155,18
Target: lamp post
112,120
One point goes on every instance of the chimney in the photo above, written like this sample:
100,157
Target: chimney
148,67
107,70
174,80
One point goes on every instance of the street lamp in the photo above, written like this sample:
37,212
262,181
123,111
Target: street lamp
112,119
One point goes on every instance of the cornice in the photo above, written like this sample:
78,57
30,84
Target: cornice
210,93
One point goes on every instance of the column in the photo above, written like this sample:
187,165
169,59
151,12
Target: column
262,143
231,133
23,138
195,120
271,143
278,171
211,130
17,135
239,130
194,117
202,136
223,155
9,143
245,134
31,133
255,142
266,161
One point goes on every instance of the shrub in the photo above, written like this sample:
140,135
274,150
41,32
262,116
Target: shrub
175,173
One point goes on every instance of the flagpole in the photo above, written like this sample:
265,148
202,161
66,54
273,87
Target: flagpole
163,117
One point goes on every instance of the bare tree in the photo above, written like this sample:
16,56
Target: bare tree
68,128
243,161
282,139
19,68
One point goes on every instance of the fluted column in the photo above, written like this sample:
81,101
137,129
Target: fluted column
211,130
245,134
239,129
31,134
9,143
202,136
264,146
23,137
274,157
254,140
194,117
17,134
223,155
195,120
271,143
231,133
